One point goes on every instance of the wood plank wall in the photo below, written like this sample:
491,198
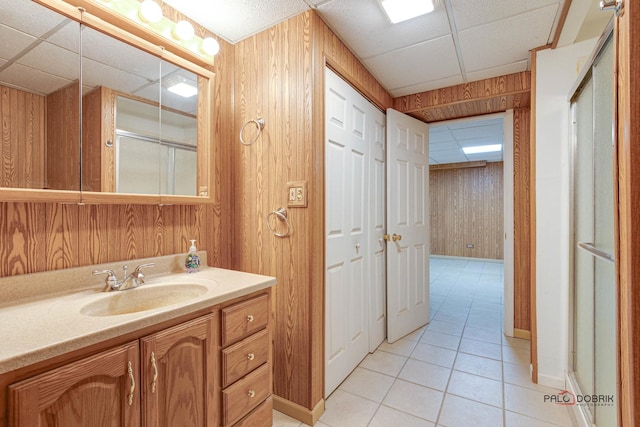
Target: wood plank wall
467,208
22,139
279,76
40,236
521,218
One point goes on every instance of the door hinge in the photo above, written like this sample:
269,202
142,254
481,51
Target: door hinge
615,5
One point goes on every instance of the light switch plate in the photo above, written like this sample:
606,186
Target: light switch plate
297,194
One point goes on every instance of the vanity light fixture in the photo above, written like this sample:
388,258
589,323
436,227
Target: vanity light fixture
183,31
482,149
210,46
180,86
150,12
148,15
402,10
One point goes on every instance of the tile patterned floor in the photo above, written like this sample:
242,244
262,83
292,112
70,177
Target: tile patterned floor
458,371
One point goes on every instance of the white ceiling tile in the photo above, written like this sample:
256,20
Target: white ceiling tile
238,19
415,64
440,136
506,41
29,17
493,132
98,74
443,146
471,13
379,35
54,60
67,36
31,80
502,70
12,42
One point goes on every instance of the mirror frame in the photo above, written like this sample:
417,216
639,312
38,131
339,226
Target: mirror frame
127,32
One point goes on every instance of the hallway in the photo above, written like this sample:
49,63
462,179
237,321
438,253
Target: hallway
458,371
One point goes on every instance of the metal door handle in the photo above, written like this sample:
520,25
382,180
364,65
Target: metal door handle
386,237
396,237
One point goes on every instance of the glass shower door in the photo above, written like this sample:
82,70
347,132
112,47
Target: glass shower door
594,279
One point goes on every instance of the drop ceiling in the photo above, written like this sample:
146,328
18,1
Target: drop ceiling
447,140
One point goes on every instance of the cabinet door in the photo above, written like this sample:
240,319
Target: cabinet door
100,390
179,375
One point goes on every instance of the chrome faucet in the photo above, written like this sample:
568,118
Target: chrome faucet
129,281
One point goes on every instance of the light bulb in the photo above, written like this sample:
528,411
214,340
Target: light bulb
183,31
210,46
150,12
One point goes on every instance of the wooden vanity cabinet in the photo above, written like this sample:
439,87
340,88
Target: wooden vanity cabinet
174,386
178,376
214,370
98,390
246,368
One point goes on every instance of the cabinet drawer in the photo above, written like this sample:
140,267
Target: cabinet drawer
262,416
240,398
242,320
245,356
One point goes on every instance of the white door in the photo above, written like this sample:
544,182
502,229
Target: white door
348,130
408,224
378,224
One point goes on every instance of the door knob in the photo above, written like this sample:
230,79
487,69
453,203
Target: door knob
386,237
396,237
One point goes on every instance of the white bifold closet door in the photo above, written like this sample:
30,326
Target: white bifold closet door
354,226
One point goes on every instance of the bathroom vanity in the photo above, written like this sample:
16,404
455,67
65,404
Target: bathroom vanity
187,349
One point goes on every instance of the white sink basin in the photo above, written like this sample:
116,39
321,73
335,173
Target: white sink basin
142,299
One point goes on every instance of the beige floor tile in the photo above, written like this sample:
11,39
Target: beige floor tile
476,388
454,318
517,420
478,365
282,420
415,335
388,417
477,321
480,334
531,403
521,375
425,374
415,400
383,362
368,384
481,348
347,410
440,340
519,356
460,412
402,347
445,328
434,355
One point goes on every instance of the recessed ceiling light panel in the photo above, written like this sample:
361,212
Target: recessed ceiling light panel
482,149
402,10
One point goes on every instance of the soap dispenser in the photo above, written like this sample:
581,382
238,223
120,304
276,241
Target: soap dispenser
192,261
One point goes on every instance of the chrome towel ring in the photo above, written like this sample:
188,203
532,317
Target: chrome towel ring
259,122
281,214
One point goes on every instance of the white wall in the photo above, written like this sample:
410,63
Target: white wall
556,72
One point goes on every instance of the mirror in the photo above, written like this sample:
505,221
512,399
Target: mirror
137,126
39,75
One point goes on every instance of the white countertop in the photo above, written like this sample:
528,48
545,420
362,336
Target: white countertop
36,329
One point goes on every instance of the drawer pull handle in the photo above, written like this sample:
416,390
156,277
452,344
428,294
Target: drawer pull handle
250,318
133,383
251,356
155,372
251,393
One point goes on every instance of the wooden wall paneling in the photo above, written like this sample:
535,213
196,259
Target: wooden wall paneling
521,232
63,139
22,143
628,221
469,99
467,207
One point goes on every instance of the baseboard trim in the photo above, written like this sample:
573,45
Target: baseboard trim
521,333
300,413
466,258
